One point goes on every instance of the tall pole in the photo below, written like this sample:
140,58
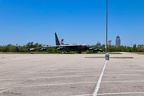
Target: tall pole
107,54
106,26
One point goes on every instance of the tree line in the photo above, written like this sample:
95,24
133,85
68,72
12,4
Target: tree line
36,47
113,48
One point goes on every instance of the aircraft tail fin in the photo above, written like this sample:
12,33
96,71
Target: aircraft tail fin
62,41
57,40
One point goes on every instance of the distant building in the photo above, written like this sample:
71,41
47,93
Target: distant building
98,43
118,41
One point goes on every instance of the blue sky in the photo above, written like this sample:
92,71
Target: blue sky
75,21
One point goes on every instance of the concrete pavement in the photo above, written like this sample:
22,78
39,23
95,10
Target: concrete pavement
71,75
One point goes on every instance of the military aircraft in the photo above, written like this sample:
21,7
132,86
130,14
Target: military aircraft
70,47
64,47
36,48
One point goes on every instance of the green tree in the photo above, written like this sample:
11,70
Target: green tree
134,48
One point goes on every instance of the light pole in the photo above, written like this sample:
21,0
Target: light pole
106,26
107,54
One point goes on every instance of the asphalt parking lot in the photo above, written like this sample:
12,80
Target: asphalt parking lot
71,75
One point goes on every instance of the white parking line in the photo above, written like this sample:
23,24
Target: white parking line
59,84
64,76
35,78
99,80
83,95
121,93
124,81
105,94
111,74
